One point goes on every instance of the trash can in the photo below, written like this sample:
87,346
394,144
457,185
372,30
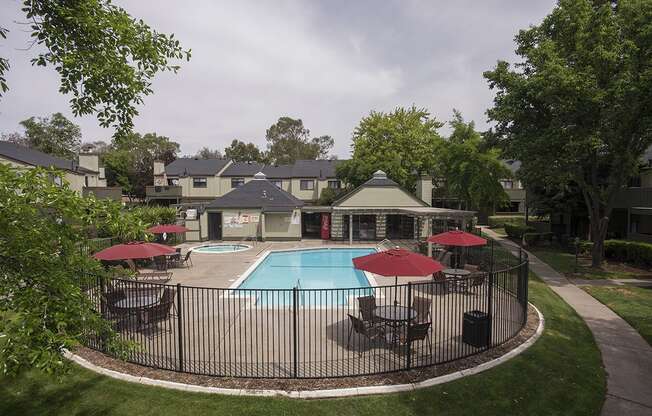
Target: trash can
475,328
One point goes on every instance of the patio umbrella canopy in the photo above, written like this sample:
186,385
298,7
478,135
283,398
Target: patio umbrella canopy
167,228
397,262
457,238
134,250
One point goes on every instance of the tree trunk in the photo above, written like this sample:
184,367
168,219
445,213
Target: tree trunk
599,224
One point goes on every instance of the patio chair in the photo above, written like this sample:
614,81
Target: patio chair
371,333
174,260
417,332
475,281
161,263
187,261
367,310
169,295
157,313
423,307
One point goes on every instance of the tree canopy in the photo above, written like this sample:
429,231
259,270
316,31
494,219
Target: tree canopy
42,306
206,153
288,141
576,107
55,135
240,151
130,160
402,143
105,58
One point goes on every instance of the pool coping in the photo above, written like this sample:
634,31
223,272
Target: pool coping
318,394
193,248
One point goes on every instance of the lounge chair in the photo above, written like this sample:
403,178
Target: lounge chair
367,310
423,307
187,261
371,333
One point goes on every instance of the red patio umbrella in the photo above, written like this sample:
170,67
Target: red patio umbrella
167,228
134,250
457,238
397,262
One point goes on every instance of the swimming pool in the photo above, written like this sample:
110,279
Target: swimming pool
221,248
330,268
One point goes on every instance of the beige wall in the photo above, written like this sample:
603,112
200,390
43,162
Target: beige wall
305,195
380,197
203,225
212,189
279,226
244,230
75,181
193,226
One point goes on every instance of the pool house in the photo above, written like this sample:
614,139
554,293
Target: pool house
376,210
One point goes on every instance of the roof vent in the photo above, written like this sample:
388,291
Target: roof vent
260,176
379,174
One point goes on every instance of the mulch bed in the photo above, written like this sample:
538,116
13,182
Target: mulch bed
402,377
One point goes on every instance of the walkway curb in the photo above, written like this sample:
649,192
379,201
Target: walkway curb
316,394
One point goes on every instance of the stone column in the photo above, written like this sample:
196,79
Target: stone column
381,226
336,227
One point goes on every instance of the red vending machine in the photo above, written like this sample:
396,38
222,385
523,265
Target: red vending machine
325,226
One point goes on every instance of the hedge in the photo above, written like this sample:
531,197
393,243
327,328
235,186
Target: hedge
629,252
517,231
533,239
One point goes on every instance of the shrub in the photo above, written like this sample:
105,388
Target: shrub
629,252
533,239
517,231
155,215
497,221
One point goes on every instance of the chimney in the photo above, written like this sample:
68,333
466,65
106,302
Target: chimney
424,188
90,161
160,179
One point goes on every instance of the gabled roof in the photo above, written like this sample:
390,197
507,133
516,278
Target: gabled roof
37,158
258,193
379,180
512,165
189,166
243,169
321,169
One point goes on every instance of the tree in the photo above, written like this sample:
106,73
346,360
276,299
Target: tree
105,58
206,153
469,170
240,151
129,163
402,143
55,135
288,141
43,308
99,146
577,107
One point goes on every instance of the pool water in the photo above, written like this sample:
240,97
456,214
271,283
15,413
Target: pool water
221,248
309,269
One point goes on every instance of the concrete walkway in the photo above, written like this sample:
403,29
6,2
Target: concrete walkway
626,356
611,282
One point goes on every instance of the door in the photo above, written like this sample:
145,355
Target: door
214,225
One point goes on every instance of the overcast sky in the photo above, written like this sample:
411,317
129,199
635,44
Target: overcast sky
328,63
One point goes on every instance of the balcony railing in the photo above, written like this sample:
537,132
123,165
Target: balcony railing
166,191
634,197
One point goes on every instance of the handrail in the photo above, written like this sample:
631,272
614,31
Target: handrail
385,241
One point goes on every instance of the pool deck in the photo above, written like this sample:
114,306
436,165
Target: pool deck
221,270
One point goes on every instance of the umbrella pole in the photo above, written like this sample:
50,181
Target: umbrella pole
395,289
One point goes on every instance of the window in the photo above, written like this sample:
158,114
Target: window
278,183
86,181
173,181
507,184
307,184
199,182
334,184
237,182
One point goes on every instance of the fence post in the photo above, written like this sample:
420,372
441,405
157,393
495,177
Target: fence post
490,306
180,326
295,338
409,325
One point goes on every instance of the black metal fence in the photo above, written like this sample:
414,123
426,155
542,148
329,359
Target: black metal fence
317,333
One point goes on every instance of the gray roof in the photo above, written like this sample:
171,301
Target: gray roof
188,166
512,165
37,158
321,169
380,179
258,193
314,169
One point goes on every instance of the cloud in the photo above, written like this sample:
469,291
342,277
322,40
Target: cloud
328,63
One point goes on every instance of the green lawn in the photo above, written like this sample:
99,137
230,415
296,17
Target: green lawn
564,263
561,374
633,304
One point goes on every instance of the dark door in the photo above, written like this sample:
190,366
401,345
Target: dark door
214,225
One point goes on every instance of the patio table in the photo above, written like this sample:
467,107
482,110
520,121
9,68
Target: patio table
457,275
137,304
395,316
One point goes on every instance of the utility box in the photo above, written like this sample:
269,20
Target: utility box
475,329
